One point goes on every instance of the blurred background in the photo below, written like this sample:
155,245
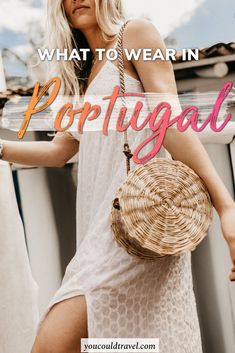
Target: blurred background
45,198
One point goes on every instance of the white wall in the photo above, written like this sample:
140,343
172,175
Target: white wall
211,268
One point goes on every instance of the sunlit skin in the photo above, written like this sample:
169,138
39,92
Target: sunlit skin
66,323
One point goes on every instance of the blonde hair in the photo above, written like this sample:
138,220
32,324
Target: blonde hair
59,34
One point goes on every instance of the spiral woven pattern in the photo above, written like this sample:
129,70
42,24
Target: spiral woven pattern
164,208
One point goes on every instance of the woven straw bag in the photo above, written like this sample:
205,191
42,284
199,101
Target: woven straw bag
163,208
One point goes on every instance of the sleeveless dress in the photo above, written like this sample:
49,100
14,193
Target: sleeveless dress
126,297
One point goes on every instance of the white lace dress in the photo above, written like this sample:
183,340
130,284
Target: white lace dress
125,296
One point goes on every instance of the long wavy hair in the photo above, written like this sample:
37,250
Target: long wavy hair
59,34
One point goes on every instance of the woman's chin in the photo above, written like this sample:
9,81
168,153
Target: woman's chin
83,22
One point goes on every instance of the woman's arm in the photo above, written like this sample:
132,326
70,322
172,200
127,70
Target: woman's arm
158,76
53,153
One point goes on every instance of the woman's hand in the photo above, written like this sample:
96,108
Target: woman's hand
227,219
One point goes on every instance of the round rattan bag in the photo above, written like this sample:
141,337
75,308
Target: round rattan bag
163,208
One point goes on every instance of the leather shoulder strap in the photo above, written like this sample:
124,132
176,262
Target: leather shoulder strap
126,149
121,58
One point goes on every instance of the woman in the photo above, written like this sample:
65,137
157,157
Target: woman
105,291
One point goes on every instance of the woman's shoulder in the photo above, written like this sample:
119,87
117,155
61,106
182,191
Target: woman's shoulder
139,33
139,24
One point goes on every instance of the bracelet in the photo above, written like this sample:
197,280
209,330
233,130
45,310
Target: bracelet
1,149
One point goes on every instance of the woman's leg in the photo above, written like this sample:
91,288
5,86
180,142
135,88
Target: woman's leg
63,327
